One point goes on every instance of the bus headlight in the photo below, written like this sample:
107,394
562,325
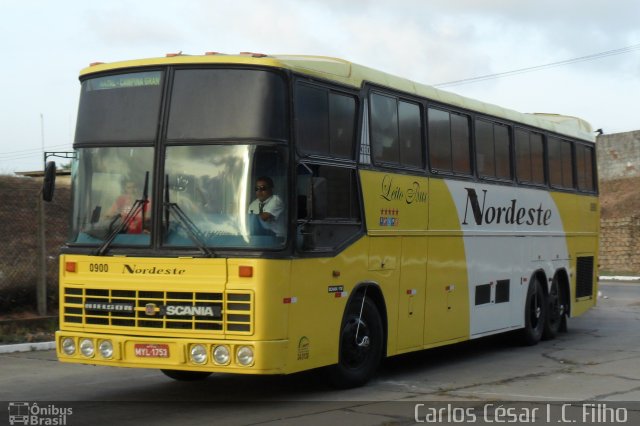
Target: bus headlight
68,346
221,355
106,349
198,354
244,355
87,348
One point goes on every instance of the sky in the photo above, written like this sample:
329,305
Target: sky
44,44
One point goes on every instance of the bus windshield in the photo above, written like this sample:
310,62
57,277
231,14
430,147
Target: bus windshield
108,195
185,178
211,196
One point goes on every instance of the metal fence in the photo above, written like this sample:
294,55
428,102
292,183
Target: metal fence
21,257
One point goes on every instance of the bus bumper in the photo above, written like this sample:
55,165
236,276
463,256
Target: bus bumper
171,353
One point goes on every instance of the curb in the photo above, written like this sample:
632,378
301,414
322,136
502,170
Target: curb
27,347
619,279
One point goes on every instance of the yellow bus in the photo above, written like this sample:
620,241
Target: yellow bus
260,214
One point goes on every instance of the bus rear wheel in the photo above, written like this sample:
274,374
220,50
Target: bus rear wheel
361,345
535,313
186,376
557,312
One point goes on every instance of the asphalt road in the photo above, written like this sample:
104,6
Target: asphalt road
598,361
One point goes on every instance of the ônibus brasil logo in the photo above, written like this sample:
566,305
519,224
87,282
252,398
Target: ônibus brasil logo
27,413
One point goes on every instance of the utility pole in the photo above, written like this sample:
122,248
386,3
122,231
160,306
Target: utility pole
41,288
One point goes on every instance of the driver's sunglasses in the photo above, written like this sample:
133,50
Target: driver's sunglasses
262,188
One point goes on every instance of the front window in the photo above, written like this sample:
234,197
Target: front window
219,144
109,196
225,196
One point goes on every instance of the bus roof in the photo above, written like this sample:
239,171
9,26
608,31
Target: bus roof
354,75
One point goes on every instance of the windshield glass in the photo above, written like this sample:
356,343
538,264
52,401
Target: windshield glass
225,196
108,195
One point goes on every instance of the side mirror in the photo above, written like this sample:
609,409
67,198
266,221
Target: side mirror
49,183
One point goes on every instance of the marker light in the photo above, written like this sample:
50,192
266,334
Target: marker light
244,355
106,349
198,354
68,346
86,347
70,266
245,271
221,355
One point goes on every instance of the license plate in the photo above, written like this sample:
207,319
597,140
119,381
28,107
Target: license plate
144,350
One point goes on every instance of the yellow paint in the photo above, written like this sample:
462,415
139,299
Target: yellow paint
412,293
581,222
447,307
317,313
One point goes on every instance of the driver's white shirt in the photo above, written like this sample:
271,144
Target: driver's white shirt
274,206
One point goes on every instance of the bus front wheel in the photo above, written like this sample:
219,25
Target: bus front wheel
361,345
186,376
535,313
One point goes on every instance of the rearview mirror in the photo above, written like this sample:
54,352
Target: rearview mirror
49,183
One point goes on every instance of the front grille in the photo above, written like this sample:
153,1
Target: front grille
169,310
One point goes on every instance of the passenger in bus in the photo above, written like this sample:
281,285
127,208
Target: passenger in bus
123,204
268,207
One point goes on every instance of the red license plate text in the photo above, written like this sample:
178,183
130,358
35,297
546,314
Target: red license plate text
145,350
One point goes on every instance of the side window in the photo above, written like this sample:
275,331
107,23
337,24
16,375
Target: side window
493,150
396,131
325,121
384,129
327,205
529,157
584,168
560,163
342,122
410,134
449,141
537,158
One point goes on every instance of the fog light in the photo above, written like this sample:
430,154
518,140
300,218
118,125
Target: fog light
106,349
198,354
221,355
86,347
244,355
68,346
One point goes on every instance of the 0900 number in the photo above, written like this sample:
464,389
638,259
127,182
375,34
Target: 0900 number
98,267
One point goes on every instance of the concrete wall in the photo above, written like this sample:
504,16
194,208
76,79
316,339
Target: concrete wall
618,155
619,160
620,246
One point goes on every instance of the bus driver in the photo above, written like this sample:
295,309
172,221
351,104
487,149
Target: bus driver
268,207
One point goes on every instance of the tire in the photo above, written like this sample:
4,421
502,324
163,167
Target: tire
186,376
535,314
557,312
358,362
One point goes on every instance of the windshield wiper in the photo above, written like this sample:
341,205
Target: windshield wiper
137,208
194,233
